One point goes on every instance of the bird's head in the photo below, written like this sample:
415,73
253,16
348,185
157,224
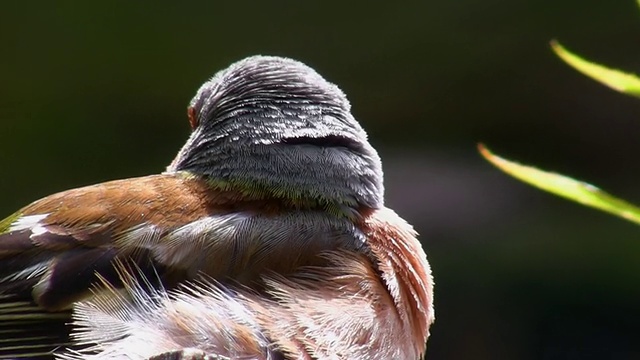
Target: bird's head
274,128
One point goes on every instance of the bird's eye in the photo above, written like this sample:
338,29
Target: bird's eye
193,118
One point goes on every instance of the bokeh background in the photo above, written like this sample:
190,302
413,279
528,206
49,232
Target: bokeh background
93,91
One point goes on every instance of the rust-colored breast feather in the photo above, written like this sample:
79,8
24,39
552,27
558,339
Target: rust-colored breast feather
405,270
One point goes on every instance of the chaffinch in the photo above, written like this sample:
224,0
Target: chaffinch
265,238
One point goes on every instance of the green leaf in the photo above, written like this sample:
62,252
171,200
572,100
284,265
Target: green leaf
566,187
626,83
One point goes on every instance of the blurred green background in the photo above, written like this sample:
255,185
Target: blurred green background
92,91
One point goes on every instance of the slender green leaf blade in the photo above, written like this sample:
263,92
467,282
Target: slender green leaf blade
566,187
626,83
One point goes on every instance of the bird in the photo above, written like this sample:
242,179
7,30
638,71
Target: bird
266,237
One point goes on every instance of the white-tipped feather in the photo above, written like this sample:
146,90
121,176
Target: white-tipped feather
27,273
27,222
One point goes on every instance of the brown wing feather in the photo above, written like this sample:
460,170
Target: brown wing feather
77,236
169,200
52,263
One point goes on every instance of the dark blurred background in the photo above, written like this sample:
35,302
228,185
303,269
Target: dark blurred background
92,91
